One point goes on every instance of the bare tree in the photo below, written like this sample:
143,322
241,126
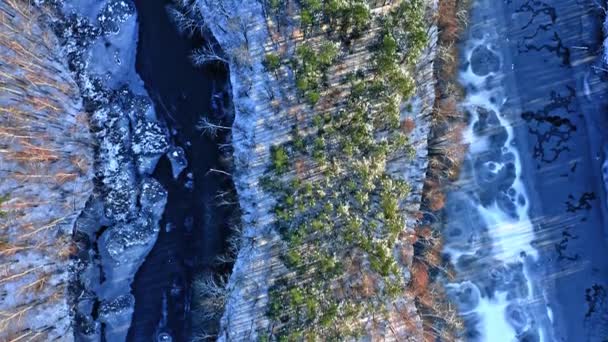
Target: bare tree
207,127
211,294
219,6
206,54
225,259
186,16
226,148
184,23
269,92
187,5
235,242
225,198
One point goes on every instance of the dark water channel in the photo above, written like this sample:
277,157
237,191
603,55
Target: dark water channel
527,222
194,228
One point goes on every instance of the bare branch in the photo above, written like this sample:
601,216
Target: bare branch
218,171
211,294
183,23
204,336
207,54
207,127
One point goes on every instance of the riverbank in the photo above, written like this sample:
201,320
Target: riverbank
447,149
45,178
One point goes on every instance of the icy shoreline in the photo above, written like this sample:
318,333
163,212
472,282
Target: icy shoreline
251,275
500,229
119,225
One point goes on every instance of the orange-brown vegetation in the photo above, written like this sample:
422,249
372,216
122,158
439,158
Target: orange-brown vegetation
447,22
358,280
447,108
45,152
424,232
448,57
409,237
433,193
432,256
437,202
420,278
446,153
409,318
68,250
446,147
408,125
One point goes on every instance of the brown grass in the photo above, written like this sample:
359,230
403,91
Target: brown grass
446,152
420,278
447,22
434,195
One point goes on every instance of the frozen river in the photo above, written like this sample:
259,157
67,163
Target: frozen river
526,222
194,227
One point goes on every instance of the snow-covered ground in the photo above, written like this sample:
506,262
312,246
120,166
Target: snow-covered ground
45,176
257,258
260,124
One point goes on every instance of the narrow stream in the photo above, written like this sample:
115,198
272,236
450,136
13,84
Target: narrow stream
526,222
194,228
